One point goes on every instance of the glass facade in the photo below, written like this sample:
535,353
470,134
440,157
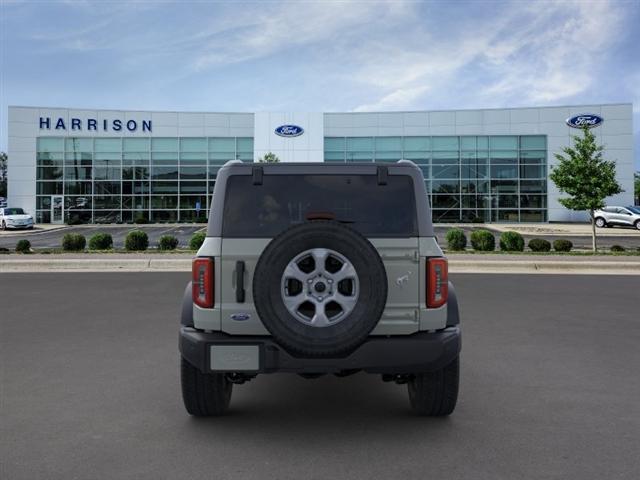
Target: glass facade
111,180
500,178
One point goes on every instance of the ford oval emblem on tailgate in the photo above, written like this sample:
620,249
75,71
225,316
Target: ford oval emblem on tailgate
240,317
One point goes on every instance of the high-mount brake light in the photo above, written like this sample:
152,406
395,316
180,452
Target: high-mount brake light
202,282
437,282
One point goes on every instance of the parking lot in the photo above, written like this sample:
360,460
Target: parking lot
90,390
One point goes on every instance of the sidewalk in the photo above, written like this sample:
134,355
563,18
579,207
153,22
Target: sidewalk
458,263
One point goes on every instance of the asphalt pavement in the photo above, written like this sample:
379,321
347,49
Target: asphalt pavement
90,390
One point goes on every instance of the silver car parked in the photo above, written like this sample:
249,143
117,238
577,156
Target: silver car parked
623,216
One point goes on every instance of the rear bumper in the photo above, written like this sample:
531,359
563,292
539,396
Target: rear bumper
420,352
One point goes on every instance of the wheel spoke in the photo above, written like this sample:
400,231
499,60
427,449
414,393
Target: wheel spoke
346,302
319,257
293,302
347,271
293,271
320,319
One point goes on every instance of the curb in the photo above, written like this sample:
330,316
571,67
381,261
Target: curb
184,265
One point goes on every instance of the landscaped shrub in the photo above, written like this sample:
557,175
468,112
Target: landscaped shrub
136,240
197,240
101,241
483,240
23,246
73,242
511,242
617,248
456,239
142,220
562,245
167,242
539,245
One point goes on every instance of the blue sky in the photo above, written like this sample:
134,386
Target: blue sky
318,55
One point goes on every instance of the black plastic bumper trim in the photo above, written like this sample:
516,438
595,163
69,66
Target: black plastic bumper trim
419,352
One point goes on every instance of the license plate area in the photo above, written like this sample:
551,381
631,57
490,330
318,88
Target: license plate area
234,358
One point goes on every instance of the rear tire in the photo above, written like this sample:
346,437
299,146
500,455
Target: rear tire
435,394
600,222
204,394
637,224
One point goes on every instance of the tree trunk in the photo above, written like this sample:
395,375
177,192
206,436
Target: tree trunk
593,232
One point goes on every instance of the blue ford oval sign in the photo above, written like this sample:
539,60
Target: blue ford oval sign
588,120
289,131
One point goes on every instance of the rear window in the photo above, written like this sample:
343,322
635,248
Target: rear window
263,211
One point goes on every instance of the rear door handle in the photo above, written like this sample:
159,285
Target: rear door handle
240,281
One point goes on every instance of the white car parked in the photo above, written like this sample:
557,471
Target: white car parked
15,218
624,216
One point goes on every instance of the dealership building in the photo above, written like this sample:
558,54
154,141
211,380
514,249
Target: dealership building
108,166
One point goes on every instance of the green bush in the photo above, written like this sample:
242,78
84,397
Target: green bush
562,245
167,242
617,248
136,240
483,240
539,245
101,241
511,242
142,220
73,242
197,240
23,246
456,239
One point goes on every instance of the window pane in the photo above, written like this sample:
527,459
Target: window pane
164,216
533,216
417,157
107,188
245,144
193,145
448,158
164,187
509,156
445,171
49,144
475,186
164,158
533,156
77,173
445,143
164,173
505,216
220,158
193,158
388,156
359,144
388,143
446,216
483,143
49,173
532,142
468,143
445,201
108,144
445,186
223,145
193,187
533,186
164,144
334,144
78,144
77,188
532,171
504,143
192,173
359,156
508,201
136,144
334,156
50,188
504,171
533,201
49,158
417,143
504,186
164,201
77,203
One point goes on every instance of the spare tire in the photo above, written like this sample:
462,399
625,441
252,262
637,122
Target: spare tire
319,289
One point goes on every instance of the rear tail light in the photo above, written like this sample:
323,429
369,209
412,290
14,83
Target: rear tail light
437,282
202,282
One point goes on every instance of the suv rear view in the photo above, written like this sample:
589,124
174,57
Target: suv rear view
320,269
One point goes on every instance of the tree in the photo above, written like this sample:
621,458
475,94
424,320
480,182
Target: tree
636,187
3,174
269,157
585,177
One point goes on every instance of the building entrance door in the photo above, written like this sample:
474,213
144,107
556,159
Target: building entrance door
57,209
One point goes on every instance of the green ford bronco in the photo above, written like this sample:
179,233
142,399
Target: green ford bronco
320,269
